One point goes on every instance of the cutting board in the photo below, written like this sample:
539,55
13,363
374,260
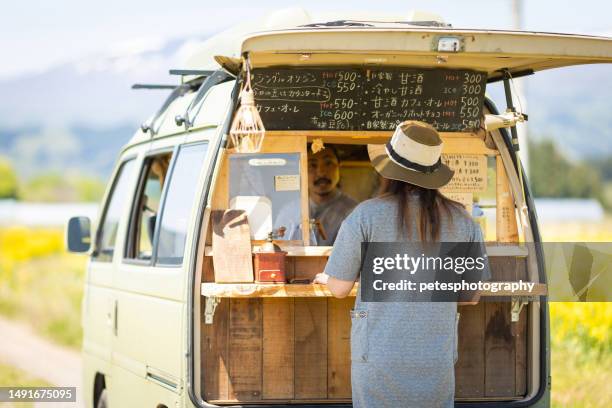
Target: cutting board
231,246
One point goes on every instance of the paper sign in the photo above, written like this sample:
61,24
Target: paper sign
464,198
287,182
470,172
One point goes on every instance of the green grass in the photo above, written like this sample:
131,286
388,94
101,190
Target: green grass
11,376
580,383
46,293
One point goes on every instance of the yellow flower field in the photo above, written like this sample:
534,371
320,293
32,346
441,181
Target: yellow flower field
41,283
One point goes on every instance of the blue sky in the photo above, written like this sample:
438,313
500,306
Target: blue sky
36,35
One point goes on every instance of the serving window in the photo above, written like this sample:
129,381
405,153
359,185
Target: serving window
267,187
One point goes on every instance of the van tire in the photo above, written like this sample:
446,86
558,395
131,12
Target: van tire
102,400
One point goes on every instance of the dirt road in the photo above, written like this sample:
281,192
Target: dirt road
25,350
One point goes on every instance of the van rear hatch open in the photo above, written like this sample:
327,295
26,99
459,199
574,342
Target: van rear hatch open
481,50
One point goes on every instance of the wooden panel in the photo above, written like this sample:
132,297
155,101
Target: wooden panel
306,267
470,367
232,258
339,347
289,268
519,330
245,344
506,227
504,268
521,353
278,340
215,354
310,348
266,290
208,271
220,196
500,354
454,143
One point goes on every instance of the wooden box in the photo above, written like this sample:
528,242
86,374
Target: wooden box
270,267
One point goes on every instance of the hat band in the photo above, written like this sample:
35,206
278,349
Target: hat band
410,164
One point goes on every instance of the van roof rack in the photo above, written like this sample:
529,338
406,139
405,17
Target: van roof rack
204,72
153,86
177,92
216,77
368,23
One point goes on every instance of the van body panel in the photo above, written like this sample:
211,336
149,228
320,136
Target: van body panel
146,323
98,310
212,111
150,308
209,113
141,291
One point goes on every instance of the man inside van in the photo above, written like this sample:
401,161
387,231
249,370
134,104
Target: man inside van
328,205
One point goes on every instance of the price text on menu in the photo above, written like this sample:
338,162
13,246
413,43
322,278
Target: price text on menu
368,98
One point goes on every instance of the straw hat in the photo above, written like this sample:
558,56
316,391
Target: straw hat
412,155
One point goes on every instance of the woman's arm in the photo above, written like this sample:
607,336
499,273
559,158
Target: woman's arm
338,287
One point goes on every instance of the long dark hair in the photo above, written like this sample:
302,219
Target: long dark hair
431,205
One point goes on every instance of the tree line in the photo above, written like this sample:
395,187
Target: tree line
551,174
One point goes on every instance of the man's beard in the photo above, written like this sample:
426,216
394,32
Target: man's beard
320,181
324,193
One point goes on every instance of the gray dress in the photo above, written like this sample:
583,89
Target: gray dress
402,353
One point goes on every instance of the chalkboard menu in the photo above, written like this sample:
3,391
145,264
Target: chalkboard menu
368,98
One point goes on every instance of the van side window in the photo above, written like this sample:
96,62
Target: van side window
109,223
145,213
178,203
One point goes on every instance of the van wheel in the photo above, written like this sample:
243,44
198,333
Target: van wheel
102,400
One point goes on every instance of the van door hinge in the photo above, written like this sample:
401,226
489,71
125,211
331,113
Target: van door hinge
209,309
518,302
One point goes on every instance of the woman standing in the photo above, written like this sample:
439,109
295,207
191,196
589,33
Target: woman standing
402,353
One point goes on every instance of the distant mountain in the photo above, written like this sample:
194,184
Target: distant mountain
76,116
95,90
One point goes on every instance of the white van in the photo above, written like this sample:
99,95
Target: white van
163,324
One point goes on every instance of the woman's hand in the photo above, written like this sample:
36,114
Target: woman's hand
321,278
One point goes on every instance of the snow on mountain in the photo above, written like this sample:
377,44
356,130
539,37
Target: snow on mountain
95,90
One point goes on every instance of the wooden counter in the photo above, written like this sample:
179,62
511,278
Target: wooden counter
493,250
286,290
